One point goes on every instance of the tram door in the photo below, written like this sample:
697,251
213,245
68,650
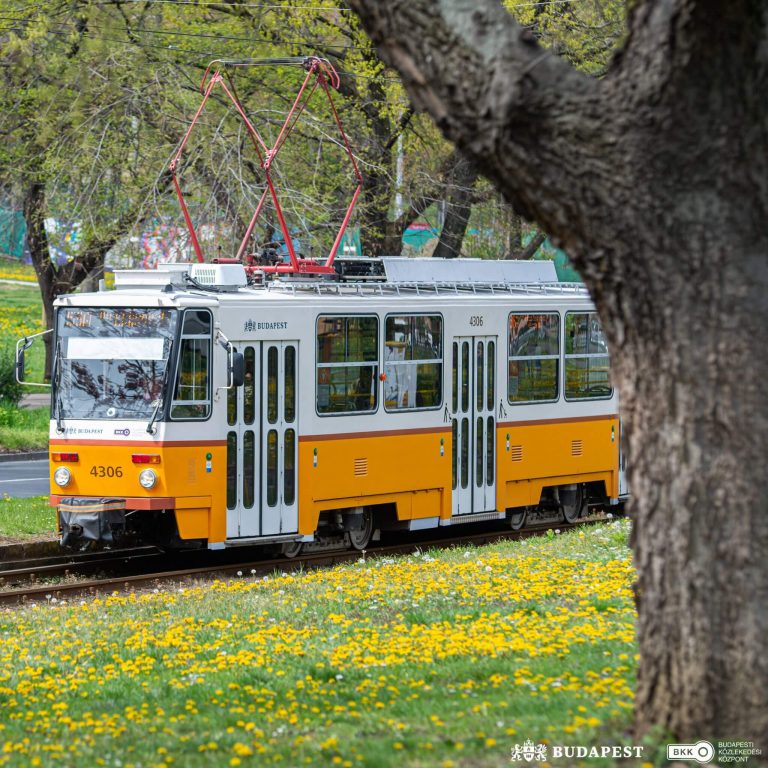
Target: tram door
261,443
473,394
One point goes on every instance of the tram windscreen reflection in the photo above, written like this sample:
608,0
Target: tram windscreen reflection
110,363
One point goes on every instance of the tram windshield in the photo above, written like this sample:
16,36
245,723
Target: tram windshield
111,362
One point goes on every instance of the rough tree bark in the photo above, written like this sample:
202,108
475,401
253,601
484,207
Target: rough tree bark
37,242
458,208
655,181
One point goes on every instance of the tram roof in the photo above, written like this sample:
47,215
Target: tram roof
389,276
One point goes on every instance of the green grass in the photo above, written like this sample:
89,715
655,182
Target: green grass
23,429
21,314
13,269
26,517
445,658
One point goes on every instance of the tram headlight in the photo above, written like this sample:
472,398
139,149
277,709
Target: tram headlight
147,479
62,476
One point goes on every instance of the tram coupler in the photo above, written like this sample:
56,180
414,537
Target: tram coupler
90,519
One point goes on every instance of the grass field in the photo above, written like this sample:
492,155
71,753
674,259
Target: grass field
13,269
446,658
21,314
23,429
26,517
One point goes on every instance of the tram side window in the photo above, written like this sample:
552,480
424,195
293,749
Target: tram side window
534,357
347,364
413,362
192,396
587,364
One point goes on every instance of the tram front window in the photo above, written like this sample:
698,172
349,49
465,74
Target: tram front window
111,362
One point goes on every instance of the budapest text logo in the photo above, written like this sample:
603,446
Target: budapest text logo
537,753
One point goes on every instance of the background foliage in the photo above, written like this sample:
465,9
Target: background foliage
98,94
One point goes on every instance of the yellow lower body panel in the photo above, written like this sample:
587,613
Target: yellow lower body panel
194,519
531,457
409,469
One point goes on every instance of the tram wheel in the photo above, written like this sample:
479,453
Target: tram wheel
292,549
360,538
518,518
572,503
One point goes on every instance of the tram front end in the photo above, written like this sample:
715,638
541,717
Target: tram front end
130,454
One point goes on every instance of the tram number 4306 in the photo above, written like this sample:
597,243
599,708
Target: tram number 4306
102,471
476,321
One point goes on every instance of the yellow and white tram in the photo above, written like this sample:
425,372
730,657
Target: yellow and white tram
192,408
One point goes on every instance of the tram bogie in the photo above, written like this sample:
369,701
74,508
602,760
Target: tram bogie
191,409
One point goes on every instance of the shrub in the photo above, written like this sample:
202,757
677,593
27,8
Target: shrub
10,389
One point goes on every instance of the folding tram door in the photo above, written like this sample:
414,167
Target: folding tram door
473,394
262,445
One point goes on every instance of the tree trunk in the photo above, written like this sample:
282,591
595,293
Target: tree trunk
529,251
697,443
37,241
514,235
375,235
655,181
457,210
55,281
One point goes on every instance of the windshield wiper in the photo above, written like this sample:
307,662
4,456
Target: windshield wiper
161,399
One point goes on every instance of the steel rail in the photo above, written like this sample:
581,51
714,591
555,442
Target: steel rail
70,559
37,572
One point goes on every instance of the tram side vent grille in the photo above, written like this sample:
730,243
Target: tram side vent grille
517,452
577,447
361,467
205,275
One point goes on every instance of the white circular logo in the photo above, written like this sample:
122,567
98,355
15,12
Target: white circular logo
703,751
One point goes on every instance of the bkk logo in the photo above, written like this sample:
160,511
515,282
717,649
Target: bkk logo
124,432
703,752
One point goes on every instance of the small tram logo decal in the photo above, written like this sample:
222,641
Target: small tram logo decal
124,432
254,325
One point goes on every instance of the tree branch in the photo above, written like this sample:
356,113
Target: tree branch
402,124
533,245
527,120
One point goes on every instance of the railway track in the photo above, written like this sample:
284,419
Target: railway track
251,566
31,569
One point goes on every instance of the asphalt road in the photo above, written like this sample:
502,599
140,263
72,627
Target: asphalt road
22,479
